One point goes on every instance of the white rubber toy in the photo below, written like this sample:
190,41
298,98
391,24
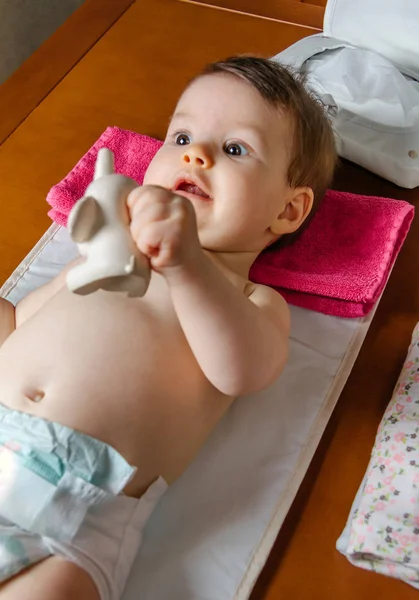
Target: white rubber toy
99,224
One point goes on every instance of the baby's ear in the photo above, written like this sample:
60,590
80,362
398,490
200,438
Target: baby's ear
298,206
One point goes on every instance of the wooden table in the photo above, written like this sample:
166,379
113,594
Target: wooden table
124,63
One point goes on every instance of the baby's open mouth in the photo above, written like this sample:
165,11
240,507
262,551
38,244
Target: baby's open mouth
191,188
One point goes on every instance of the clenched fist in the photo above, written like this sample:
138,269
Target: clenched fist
163,225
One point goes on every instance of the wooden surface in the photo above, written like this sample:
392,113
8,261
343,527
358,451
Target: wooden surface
23,91
315,2
289,11
131,78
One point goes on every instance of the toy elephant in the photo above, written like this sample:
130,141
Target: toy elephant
99,224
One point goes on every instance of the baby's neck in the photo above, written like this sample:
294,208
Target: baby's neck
236,262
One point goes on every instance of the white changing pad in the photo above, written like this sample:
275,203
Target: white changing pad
212,532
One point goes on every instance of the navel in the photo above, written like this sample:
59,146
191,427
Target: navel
35,395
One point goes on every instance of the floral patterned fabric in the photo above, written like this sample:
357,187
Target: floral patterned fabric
382,533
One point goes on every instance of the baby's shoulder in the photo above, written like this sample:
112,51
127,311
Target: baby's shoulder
270,301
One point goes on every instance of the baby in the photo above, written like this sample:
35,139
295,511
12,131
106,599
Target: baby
106,399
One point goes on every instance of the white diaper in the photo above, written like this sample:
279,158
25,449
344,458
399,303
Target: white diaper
109,538
60,495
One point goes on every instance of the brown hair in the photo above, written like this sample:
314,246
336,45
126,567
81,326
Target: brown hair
313,154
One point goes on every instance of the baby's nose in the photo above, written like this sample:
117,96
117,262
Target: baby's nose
197,155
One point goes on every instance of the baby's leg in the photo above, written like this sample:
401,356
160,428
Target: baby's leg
50,579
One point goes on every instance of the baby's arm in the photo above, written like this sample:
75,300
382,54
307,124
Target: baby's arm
31,303
240,343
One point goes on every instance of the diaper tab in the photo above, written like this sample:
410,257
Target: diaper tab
50,449
62,516
40,506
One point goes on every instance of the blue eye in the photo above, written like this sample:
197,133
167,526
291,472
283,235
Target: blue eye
235,149
182,139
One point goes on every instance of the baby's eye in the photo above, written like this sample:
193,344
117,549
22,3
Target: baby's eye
235,149
182,139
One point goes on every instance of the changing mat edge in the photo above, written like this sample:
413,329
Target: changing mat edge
21,269
262,551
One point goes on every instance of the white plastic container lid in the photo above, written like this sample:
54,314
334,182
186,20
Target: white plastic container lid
388,27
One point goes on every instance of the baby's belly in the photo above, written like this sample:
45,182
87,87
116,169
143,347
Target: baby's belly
123,374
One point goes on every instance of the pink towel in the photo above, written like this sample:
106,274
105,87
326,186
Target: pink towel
339,265
133,153
341,262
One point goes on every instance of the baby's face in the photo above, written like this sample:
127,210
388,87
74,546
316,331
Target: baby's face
226,150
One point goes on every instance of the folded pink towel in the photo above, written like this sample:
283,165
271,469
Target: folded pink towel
133,153
341,262
338,266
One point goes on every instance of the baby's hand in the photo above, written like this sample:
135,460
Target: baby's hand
163,225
